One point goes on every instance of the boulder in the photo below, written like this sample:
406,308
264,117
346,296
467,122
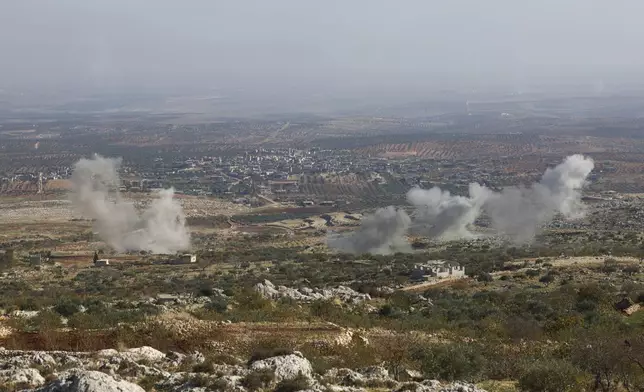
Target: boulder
459,386
432,383
416,387
410,375
28,377
70,361
346,377
375,372
436,386
285,367
196,357
76,380
267,290
175,358
43,359
339,388
134,370
110,352
144,353
29,359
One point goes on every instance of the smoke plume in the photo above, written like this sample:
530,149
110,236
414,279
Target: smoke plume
441,215
160,228
380,233
517,212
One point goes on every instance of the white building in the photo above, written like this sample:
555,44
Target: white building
101,262
437,269
185,259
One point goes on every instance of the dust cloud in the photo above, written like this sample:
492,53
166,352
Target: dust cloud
159,228
380,233
516,212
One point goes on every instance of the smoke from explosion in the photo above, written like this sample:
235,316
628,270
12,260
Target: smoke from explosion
380,233
516,212
160,228
442,215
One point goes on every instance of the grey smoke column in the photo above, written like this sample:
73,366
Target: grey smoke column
519,212
442,215
380,233
160,228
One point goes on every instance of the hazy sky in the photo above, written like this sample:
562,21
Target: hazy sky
301,45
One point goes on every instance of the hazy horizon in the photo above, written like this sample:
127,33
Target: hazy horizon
286,49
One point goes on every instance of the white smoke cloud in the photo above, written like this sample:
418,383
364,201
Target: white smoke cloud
160,228
517,212
380,233
441,215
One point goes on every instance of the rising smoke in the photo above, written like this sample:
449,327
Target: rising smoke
160,228
444,216
516,212
519,212
380,233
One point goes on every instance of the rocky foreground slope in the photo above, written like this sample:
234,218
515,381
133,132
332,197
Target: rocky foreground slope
145,368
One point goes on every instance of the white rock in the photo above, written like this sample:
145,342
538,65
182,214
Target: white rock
110,352
375,372
175,357
346,377
89,381
143,353
432,383
25,313
338,388
196,357
415,387
286,367
267,290
29,376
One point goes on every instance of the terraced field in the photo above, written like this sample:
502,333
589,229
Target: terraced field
498,145
354,187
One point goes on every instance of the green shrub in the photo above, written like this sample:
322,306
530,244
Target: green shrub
66,307
550,376
450,361
532,273
46,320
218,304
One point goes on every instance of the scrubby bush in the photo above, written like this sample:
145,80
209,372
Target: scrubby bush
550,376
66,307
46,320
631,270
484,277
450,361
218,304
532,272
547,278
